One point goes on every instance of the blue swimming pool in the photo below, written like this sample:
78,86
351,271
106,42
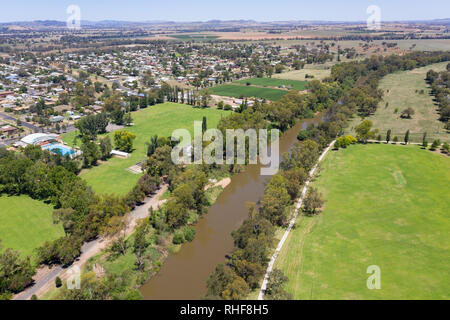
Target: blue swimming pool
59,149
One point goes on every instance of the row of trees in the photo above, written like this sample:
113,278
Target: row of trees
440,88
352,87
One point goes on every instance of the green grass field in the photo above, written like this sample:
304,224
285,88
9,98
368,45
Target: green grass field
387,206
319,71
237,91
26,224
161,119
402,94
272,82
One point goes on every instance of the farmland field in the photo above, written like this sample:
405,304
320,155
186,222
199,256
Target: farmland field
404,91
161,119
189,37
272,82
25,224
237,91
319,71
386,206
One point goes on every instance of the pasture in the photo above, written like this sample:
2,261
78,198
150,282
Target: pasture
239,91
161,119
25,224
387,206
402,90
318,71
195,37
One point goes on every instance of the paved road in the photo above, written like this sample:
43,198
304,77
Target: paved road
25,124
51,276
91,249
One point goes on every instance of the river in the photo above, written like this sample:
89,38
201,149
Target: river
183,275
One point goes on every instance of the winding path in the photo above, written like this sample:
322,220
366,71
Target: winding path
291,224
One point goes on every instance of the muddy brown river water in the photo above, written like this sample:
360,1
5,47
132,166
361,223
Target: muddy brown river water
183,275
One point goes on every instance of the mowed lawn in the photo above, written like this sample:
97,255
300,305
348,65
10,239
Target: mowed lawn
161,119
402,94
272,82
386,205
237,91
25,224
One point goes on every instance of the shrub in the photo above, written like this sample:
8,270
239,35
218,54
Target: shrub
178,238
189,234
446,147
344,142
435,145
58,282
303,135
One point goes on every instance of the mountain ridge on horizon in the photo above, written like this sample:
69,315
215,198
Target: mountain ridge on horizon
112,22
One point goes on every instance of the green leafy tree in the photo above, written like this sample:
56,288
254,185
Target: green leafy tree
424,140
236,289
124,140
388,136
140,244
364,131
275,286
204,125
313,201
105,148
90,153
15,272
276,200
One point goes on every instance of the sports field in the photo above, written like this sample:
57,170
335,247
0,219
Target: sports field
404,91
161,119
272,82
238,91
386,205
26,224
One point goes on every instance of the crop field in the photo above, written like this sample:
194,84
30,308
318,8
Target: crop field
161,119
405,91
238,91
199,37
387,205
25,224
272,82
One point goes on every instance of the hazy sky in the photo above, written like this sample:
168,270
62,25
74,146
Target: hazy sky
195,10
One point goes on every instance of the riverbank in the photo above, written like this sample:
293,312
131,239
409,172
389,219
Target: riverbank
291,223
184,275
45,278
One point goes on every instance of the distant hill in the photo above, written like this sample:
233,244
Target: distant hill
216,23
